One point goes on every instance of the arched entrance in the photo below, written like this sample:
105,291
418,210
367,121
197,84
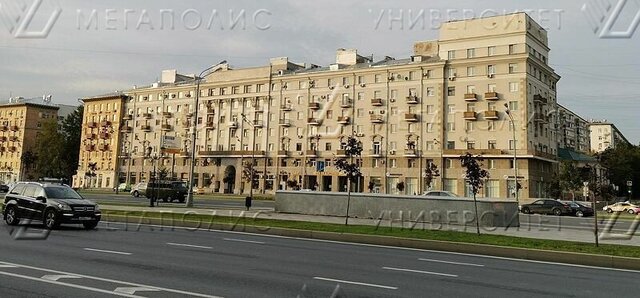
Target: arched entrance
229,179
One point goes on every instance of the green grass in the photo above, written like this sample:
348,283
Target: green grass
416,233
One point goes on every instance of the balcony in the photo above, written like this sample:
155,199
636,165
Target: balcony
258,123
13,138
146,128
89,148
233,124
185,153
91,136
344,120
313,121
375,153
3,149
147,115
539,99
540,118
103,147
491,96
491,115
411,117
127,117
285,122
470,115
314,105
13,149
167,114
341,153
105,135
376,119
188,115
345,103
376,102
244,153
209,124
470,97
211,111
167,127
285,107
410,152
283,153
458,152
92,124
3,139
105,123
311,153
412,100
126,129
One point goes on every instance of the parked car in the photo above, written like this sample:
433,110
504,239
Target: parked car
619,207
167,191
53,204
635,210
547,206
139,189
439,193
579,209
124,187
4,188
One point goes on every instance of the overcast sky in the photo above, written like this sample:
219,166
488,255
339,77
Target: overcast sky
95,47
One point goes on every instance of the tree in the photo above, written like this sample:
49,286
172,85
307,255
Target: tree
71,130
28,159
623,164
50,151
474,176
352,148
247,172
400,186
430,172
569,178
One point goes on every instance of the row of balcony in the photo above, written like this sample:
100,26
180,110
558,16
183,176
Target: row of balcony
487,96
11,139
343,153
91,147
7,128
94,124
489,115
10,149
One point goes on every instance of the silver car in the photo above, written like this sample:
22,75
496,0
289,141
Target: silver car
139,189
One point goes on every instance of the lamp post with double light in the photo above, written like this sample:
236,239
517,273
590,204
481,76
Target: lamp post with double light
516,186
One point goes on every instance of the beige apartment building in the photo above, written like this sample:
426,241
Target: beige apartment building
573,131
100,142
605,135
448,98
20,123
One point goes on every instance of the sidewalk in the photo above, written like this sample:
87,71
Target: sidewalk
533,229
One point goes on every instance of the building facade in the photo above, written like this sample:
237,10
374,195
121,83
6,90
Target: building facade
20,124
605,135
573,131
447,99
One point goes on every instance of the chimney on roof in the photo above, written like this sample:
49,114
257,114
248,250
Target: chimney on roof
168,76
349,57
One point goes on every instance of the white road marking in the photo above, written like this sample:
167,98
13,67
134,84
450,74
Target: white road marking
55,277
448,262
419,271
242,240
189,245
109,251
355,283
385,246
103,279
7,266
67,284
133,290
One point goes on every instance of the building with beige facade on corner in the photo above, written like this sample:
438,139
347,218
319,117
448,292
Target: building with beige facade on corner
605,135
448,98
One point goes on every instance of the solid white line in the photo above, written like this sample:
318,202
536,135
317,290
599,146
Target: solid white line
242,240
448,262
356,283
419,271
108,280
189,245
109,251
387,247
68,285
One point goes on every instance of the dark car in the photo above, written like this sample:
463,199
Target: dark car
52,204
167,191
545,206
4,188
580,209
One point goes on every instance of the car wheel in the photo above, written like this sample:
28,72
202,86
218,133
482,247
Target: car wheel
90,225
631,211
609,210
136,193
526,210
557,212
51,219
11,216
579,213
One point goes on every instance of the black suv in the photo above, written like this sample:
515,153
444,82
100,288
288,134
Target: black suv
53,204
167,191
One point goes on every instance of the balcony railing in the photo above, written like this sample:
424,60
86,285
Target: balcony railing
167,127
412,99
285,107
127,117
345,103
313,121
540,118
147,115
314,105
344,120
491,115
376,118
376,102
126,129
283,153
311,153
410,152
411,117
375,153
257,123
285,122
211,111
233,124
91,136
103,147
470,115
89,147
539,99
3,139
491,96
13,138
167,114
105,135
470,97
105,123
92,124
146,128
210,124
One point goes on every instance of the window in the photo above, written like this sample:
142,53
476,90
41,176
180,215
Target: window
471,53
513,67
393,163
513,105
469,125
491,51
327,147
471,89
451,108
378,78
471,145
491,144
429,127
471,71
512,49
451,91
393,128
491,88
451,144
491,126
451,54
451,72
449,163
491,164
359,112
513,86
430,91
511,144
492,188
450,185
451,126
430,109
394,111
491,69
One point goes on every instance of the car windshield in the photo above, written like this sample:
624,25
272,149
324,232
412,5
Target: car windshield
62,193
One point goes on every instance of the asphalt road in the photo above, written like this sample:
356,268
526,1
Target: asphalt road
532,221
143,261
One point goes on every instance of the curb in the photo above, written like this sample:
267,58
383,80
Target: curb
437,245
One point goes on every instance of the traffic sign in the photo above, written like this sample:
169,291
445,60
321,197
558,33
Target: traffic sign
629,183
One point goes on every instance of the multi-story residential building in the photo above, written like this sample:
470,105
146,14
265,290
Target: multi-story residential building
98,160
448,98
572,131
20,124
605,135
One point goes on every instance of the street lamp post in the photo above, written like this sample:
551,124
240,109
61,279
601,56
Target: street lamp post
515,154
194,132
253,157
